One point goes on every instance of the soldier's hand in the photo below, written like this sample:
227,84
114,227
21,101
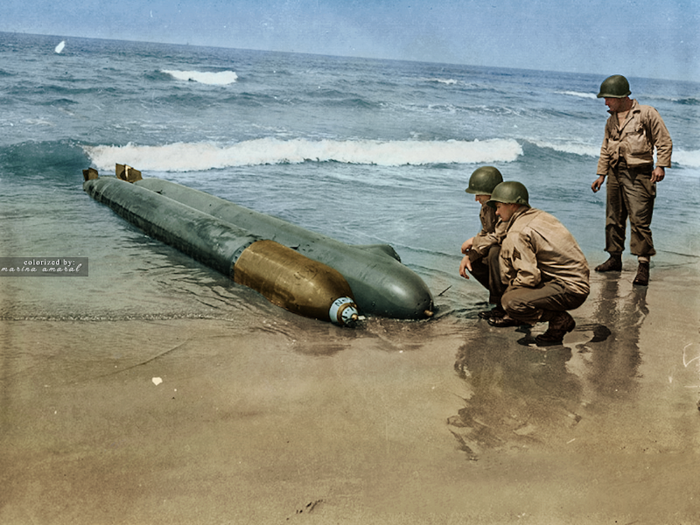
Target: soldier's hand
597,184
658,174
467,245
465,265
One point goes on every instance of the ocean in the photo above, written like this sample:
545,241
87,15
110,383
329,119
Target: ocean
365,151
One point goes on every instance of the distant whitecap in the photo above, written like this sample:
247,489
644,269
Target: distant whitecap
221,78
579,94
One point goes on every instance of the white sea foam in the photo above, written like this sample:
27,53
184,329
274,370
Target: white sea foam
578,94
570,147
447,81
220,78
183,157
687,159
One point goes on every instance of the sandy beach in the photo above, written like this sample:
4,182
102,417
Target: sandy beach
289,420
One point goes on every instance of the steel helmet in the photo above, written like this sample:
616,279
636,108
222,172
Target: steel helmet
615,86
484,180
509,192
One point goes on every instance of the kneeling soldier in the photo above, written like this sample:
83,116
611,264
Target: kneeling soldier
542,265
481,251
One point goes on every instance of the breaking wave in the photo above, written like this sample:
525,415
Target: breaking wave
570,147
183,157
446,81
579,94
682,158
221,78
687,159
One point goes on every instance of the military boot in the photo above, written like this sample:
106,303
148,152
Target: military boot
496,311
560,323
642,277
613,264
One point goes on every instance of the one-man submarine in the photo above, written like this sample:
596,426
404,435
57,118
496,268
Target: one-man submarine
304,272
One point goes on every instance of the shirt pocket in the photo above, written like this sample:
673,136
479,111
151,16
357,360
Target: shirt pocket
637,143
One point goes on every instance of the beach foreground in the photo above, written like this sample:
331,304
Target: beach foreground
278,419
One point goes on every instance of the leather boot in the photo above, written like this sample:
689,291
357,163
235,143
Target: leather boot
559,325
613,264
496,311
504,322
642,278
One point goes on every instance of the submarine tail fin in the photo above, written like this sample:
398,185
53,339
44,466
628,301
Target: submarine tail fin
380,249
90,174
127,173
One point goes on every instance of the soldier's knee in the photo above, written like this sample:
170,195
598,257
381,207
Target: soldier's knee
515,305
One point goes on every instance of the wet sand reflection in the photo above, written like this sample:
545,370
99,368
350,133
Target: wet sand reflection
523,396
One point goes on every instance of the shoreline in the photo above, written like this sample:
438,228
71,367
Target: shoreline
288,420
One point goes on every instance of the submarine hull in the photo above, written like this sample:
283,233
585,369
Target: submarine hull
283,276
380,283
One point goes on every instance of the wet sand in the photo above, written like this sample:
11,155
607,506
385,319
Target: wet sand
275,419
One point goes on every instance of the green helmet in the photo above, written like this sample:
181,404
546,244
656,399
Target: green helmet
484,180
509,192
615,86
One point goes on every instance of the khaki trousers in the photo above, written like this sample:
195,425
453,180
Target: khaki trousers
630,194
531,305
487,270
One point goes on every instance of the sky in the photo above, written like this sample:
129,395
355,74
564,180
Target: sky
636,38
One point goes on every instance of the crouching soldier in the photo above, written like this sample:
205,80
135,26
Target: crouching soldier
542,265
481,252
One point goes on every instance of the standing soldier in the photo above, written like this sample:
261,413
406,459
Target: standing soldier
627,159
481,251
542,264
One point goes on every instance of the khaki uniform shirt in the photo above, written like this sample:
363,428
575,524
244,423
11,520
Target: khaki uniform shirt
492,231
634,142
538,248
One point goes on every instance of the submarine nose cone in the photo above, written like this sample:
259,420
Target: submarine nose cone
344,312
295,282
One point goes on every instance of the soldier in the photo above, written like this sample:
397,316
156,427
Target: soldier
481,251
627,159
542,265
